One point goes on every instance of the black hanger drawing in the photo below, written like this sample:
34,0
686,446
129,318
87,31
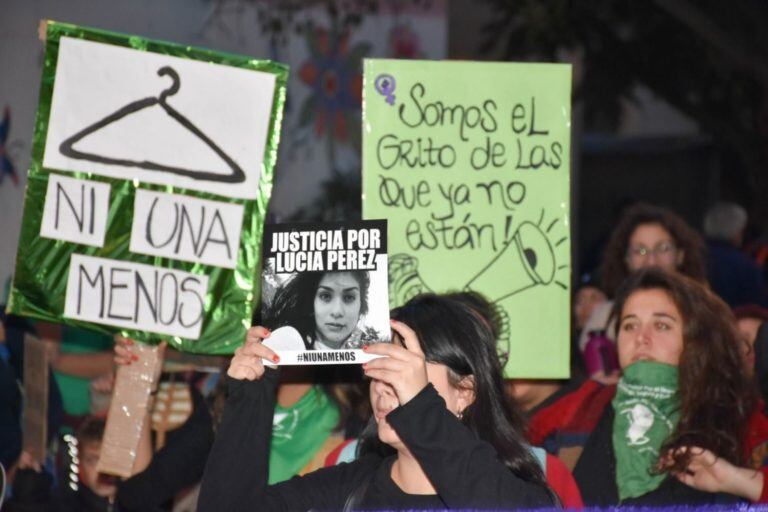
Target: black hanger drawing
66,149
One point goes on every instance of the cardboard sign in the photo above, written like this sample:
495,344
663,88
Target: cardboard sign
325,291
129,407
469,162
35,414
151,172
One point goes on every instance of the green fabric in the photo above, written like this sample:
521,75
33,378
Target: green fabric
298,432
76,391
647,410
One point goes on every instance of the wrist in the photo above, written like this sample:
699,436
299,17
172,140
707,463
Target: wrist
745,482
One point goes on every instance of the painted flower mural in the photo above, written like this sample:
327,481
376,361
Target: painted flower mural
6,166
404,43
333,73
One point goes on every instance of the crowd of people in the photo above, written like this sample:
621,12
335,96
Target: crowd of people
665,404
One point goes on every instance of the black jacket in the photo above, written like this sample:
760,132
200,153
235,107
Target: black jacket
464,470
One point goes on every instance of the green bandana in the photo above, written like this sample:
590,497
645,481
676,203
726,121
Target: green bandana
298,432
647,410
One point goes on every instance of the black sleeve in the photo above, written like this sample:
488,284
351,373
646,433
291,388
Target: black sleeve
465,471
235,477
179,464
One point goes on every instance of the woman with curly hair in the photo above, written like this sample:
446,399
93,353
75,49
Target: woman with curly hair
683,386
651,236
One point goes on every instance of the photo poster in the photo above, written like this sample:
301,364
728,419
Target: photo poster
469,162
152,167
325,291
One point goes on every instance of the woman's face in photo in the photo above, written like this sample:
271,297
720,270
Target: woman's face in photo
337,308
650,329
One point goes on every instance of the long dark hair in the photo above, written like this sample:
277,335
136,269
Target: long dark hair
452,334
294,302
614,267
716,398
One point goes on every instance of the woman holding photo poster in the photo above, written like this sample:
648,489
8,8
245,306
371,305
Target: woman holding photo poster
442,435
324,308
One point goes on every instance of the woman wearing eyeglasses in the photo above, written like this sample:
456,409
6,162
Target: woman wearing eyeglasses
645,236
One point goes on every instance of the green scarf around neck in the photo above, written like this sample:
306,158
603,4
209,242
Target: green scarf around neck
647,410
299,431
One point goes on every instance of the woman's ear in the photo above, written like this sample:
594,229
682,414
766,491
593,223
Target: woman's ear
466,392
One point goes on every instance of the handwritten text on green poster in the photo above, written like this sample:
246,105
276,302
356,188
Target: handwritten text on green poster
469,162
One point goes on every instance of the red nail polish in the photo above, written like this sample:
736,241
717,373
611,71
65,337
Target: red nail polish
276,358
365,347
135,357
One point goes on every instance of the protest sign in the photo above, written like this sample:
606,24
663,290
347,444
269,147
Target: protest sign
128,409
151,171
325,294
469,162
35,413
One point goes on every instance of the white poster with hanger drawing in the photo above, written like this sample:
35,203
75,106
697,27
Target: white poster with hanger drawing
158,119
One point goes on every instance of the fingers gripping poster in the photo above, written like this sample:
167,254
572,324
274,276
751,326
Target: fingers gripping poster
151,171
469,162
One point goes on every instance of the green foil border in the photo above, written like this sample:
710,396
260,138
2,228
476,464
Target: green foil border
42,265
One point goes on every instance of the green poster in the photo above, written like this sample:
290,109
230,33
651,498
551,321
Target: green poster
469,162
151,171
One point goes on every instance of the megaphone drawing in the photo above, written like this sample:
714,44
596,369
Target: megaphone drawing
526,260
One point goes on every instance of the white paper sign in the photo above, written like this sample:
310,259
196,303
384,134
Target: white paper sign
160,119
135,296
75,210
186,228
286,342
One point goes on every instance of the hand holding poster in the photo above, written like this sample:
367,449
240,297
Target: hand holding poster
469,162
150,177
325,291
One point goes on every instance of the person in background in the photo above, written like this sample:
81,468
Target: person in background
13,330
588,296
598,353
645,236
158,475
749,318
77,356
316,409
732,274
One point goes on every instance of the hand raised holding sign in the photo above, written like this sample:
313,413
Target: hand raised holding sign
403,368
248,362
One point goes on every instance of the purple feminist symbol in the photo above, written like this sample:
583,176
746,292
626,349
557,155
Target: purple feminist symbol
385,85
